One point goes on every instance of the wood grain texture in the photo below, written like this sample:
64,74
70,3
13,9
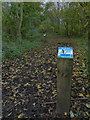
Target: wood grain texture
64,77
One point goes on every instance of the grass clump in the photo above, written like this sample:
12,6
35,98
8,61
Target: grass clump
12,49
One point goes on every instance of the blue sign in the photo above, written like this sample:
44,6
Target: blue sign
65,52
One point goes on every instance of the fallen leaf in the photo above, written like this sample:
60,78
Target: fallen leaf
11,97
88,95
65,113
21,115
87,105
71,114
81,95
34,104
27,84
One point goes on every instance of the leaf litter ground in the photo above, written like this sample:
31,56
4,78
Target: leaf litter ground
29,85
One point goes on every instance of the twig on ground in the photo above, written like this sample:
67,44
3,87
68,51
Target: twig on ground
71,100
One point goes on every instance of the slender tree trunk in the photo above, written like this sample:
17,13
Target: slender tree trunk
58,16
19,21
66,26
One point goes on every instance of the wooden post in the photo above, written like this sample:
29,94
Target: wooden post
64,77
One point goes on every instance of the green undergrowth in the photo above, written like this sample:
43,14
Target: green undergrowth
82,45
82,48
11,50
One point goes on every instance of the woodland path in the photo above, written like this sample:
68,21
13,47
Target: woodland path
29,84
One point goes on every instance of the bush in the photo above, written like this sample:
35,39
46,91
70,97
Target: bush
11,50
33,34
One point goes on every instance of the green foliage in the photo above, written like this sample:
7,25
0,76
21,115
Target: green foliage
20,21
11,15
31,38
82,46
61,30
46,26
71,18
82,43
14,49
33,34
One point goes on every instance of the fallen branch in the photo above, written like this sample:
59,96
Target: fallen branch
80,98
49,102
71,100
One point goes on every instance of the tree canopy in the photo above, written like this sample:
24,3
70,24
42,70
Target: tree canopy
65,18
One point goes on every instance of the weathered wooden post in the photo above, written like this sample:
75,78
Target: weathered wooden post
64,77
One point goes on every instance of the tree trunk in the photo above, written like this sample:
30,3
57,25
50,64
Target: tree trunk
58,16
19,21
66,26
64,77
20,36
